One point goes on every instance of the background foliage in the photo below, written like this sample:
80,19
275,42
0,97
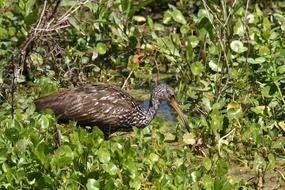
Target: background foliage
225,59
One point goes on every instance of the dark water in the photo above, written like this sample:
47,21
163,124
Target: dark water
165,110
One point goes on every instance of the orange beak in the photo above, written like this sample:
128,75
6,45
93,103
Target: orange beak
175,105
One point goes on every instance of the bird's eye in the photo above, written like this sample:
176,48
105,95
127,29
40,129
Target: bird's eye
171,96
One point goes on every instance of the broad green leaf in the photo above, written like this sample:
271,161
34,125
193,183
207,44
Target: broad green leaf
189,138
239,29
207,182
221,168
104,155
178,16
12,134
237,46
74,23
31,18
40,153
251,18
62,157
264,50
279,143
194,41
259,162
112,169
197,68
37,58
185,29
92,184
214,66
207,163
281,69
44,121
266,24
258,60
166,17
216,121
195,175
153,157
3,154
3,33
101,47
258,109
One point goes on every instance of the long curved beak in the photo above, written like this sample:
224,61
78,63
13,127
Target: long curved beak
175,105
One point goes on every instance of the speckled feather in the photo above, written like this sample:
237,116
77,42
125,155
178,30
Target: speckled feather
103,105
106,106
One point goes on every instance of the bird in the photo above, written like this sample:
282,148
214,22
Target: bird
106,106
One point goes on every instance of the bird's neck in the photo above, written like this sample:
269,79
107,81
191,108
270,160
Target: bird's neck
153,105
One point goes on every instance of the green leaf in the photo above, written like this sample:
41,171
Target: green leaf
266,24
139,18
3,33
104,155
189,138
74,23
194,41
207,163
279,143
44,121
221,168
12,134
166,17
3,154
237,46
259,162
101,47
207,182
62,157
281,69
195,175
258,109
239,29
92,184
197,68
31,18
36,58
40,153
178,16
112,169
215,67
206,24
153,157
185,29
258,60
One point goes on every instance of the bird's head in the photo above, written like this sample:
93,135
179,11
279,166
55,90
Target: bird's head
165,92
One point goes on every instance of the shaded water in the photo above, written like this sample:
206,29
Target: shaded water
165,110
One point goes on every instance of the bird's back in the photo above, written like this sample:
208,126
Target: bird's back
105,106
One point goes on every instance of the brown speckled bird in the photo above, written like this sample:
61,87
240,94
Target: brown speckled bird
106,106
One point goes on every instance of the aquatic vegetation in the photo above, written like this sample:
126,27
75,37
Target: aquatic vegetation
224,58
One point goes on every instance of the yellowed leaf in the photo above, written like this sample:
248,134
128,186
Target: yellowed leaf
139,18
260,108
188,138
282,125
233,105
150,46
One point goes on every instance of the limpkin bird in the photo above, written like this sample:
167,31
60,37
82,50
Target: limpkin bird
107,107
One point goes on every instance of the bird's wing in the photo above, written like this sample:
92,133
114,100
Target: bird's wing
91,104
